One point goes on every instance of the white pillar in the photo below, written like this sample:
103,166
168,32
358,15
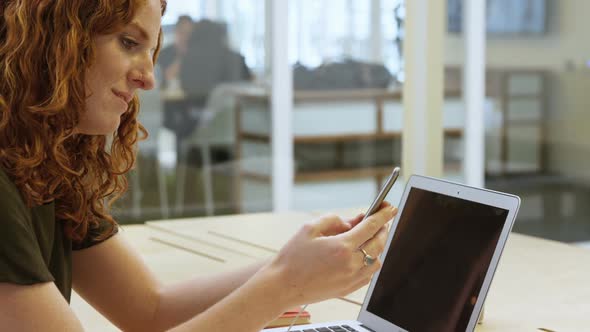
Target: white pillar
422,138
376,32
347,47
268,25
300,31
281,104
210,9
474,29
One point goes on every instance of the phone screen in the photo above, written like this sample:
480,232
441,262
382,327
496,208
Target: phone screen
383,192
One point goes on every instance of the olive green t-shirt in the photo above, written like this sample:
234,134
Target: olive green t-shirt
33,246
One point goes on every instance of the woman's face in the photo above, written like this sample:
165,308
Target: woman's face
123,63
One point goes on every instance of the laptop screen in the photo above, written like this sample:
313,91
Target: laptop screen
437,262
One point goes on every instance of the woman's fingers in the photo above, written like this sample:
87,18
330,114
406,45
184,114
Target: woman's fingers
377,243
356,220
330,225
374,247
369,227
363,277
328,248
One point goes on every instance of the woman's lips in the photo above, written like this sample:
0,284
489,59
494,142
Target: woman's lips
125,98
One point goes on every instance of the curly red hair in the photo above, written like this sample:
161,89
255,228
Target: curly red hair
45,47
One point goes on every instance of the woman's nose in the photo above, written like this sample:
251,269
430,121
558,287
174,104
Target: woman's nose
143,79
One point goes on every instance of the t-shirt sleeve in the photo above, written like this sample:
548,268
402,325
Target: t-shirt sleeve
21,259
93,237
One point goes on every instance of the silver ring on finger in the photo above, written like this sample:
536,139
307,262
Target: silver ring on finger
367,259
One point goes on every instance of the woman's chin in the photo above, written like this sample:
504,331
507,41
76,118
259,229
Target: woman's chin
99,128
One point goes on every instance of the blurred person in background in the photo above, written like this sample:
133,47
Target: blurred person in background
210,61
172,55
207,63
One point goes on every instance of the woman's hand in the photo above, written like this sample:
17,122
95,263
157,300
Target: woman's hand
323,259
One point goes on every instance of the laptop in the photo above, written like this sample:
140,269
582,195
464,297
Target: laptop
438,263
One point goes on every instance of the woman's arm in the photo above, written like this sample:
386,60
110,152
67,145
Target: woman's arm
37,307
321,261
182,301
113,268
261,299
41,307
112,278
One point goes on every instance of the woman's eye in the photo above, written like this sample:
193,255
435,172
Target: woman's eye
129,43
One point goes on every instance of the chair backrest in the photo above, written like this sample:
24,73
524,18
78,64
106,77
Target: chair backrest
217,119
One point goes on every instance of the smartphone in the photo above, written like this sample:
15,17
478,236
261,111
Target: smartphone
383,192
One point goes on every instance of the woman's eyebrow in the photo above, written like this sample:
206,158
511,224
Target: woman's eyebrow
142,32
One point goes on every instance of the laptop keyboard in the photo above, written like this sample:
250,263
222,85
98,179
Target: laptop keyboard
341,328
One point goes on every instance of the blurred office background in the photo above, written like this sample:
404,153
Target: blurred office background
211,119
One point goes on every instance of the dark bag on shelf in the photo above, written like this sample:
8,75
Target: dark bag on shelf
348,74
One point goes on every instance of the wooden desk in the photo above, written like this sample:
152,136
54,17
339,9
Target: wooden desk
538,284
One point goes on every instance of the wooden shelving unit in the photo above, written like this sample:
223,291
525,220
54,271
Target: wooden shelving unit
522,98
507,88
377,98
535,93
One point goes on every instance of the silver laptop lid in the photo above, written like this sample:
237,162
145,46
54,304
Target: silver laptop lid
440,257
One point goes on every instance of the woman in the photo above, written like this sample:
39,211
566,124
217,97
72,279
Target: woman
70,70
